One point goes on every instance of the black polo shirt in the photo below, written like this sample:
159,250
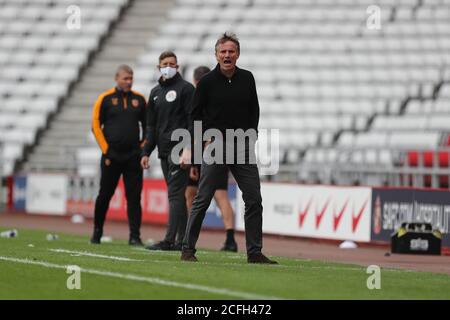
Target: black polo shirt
223,103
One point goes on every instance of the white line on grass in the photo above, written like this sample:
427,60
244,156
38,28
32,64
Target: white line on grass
243,257
151,280
233,256
89,254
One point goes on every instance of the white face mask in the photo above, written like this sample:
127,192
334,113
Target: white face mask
168,72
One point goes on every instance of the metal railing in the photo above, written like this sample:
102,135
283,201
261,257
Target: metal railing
398,173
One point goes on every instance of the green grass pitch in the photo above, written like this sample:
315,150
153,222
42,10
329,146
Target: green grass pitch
31,267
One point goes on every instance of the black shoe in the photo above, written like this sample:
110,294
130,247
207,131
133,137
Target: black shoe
96,236
177,247
259,258
162,245
135,242
230,246
188,256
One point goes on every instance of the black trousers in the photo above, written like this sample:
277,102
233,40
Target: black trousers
132,176
176,180
247,178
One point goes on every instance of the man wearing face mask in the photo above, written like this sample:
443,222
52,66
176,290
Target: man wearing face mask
116,118
168,110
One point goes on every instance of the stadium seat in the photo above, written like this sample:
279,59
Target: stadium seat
321,74
414,140
40,58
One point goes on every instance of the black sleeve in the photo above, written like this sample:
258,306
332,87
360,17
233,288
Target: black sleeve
254,106
150,127
186,99
187,96
143,120
199,102
102,113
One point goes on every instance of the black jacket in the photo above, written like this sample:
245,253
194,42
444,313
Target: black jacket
167,110
224,103
115,123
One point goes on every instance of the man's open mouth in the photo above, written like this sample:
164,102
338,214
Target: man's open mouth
227,61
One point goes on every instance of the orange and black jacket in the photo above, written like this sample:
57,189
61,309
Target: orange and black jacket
117,121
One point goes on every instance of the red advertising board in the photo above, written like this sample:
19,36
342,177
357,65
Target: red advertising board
155,206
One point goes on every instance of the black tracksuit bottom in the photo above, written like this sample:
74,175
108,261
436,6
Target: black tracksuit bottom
247,178
132,178
176,180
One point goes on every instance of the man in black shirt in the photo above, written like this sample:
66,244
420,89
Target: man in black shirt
221,194
226,99
167,111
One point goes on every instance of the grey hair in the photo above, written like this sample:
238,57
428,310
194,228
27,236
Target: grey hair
124,67
228,36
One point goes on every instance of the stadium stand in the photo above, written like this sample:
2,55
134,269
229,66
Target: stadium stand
328,82
40,60
351,102
68,145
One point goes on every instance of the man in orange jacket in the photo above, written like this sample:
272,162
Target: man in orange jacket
117,116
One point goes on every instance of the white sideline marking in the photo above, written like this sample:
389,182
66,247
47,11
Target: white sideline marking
236,256
89,254
232,293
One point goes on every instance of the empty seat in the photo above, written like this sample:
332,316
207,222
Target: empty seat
414,140
444,92
8,119
40,57
428,158
18,136
371,139
442,105
410,123
347,139
32,120
88,155
10,151
439,123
